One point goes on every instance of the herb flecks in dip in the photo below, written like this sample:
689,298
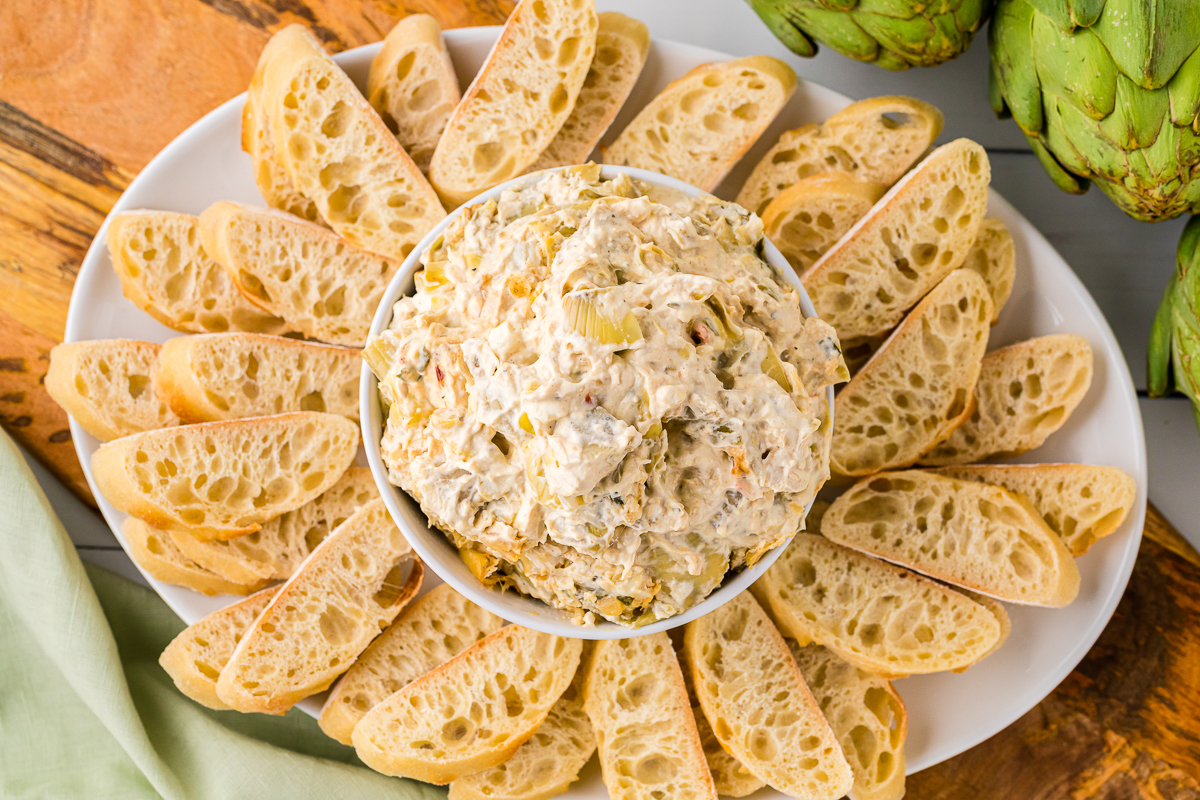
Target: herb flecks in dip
604,396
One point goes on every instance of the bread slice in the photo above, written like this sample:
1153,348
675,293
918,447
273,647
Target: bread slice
867,716
519,99
636,699
622,44
918,386
549,761
879,617
224,479
875,140
238,375
338,152
808,218
323,286
994,257
919,232
413,86
165,272
350,588
698,127
754,697
258,139
276,550
108,386
1000,613
729,775
968,534
1026,392
155,552
427,634
1080,502
194,659
472,712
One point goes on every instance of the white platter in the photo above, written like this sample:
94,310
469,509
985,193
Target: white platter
947,713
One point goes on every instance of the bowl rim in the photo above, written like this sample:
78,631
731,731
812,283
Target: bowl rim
434,547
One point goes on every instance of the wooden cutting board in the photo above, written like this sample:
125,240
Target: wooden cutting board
90,90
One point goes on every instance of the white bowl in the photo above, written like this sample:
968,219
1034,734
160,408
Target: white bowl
437,551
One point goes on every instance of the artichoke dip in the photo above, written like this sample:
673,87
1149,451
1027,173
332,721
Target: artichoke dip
604,396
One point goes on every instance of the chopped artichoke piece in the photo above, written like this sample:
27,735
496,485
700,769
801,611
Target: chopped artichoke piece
585,319
731,332
590,171
482,565
379,355
525,424
772,366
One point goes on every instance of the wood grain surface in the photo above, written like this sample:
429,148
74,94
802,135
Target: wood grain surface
90,90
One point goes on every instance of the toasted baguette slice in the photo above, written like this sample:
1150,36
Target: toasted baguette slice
806,219
729,775
698,127
867,716
918,386
754,697
413,86
972,535
636,699
324,287
919,232
994,257
154,552
518,100
338,152
549,761
165,272
879,617
108,386
194,659
472,712
1000,613
276,550
622,44
351,587
874,140
430,632
1026,392
224,479
1080,502
239,375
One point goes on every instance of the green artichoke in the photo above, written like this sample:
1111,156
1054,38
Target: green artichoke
1107,91
895,34
1175,338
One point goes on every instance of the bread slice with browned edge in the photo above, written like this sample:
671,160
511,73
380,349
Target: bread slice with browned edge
994,257
338,152
754,697
322,285
622,44
473,711
238,375
875,140
918,387
548,762
698,127
413,86
155,552
519,99
348,590
1026,392
730,776
867,716
108,386
434,629
165,272
276,550
808,218
194,659
877,616
980,537
224,479
649,747
1082,503
918,232
1000,613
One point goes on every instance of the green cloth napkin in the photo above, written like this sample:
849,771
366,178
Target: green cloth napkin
87,713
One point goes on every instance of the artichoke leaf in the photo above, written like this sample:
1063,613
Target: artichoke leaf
1137,115
1011,45
1158,352
1062,178
1075,65
838,30
1184,92
777,22
1149,39
585,318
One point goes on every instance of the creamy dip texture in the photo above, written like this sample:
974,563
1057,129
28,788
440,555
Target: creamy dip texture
604,396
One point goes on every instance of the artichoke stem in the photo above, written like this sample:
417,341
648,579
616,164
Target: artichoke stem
1158,352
